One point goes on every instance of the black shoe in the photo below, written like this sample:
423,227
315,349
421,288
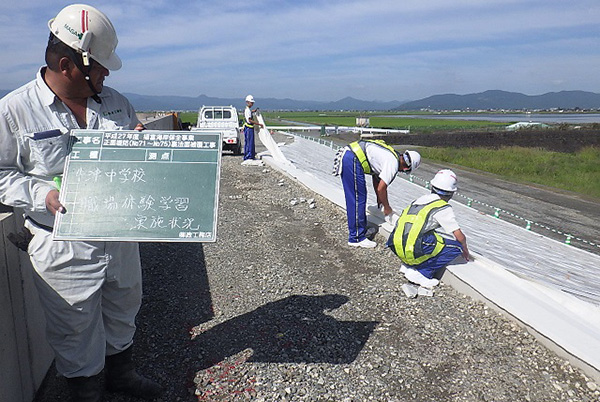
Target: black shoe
85,389
122,377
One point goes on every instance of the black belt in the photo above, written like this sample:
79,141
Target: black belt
39,225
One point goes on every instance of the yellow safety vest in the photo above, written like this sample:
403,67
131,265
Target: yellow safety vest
408,233
246,123
358,147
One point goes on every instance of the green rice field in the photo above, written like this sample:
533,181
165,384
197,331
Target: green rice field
189,117
375,120
349,119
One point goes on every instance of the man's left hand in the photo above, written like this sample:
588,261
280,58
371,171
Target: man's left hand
53,205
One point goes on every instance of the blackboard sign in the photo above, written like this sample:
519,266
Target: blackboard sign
141,186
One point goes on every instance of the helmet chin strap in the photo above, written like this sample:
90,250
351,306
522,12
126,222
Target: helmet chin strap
95,95
82,61
87,63
85,57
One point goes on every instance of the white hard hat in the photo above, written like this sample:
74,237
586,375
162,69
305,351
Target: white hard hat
250,98
444,180
412,160
88,31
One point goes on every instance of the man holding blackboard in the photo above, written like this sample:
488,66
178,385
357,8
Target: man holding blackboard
91,291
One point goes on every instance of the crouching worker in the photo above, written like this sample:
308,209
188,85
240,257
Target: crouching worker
423,251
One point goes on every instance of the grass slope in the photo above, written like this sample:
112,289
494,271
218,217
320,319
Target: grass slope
578,172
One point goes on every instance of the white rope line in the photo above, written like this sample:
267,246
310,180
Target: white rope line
498,211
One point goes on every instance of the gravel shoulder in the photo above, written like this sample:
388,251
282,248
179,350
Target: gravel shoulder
281,309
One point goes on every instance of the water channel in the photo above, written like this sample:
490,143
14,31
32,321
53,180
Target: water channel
548,118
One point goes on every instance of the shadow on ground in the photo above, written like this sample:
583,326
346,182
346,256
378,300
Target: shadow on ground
175,338
295,329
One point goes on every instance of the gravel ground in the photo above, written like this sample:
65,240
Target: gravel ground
281,309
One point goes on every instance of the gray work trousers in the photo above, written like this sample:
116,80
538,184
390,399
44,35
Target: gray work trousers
90,293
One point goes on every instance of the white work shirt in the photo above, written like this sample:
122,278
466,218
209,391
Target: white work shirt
383,163
248,115
34,139
443,218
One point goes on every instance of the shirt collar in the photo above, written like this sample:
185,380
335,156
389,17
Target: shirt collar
46,94
48,97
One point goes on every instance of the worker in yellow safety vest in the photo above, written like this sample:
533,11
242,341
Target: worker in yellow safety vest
382,162
249,123
425,252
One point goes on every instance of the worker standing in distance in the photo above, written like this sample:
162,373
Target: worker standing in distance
249,124
90,291
423,251
382,162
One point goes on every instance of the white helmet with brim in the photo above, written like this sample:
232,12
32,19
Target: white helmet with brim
89,32
412,159
444,182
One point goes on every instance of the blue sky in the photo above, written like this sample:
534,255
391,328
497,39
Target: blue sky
326,50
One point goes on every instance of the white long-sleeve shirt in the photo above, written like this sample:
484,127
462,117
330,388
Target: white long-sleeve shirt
34,140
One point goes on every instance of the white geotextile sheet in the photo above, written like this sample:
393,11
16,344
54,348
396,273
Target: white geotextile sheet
268,141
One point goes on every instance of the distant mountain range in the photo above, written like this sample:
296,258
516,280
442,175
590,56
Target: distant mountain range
145,102
488,100
507,100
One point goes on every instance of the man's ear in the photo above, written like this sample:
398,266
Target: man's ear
65,65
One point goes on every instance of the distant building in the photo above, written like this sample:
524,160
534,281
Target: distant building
525,125
362,122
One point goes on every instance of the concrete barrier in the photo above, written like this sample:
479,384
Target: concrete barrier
160,121
25,356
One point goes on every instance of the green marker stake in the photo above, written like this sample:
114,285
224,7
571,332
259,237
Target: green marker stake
57,181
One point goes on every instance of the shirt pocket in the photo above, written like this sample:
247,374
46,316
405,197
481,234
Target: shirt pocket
116,120
48,151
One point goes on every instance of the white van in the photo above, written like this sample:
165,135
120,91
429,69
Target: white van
225,119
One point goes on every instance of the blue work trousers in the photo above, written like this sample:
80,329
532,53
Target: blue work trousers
249,150
430,268
355,191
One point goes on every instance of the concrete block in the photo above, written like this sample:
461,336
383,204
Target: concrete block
11,383
25,356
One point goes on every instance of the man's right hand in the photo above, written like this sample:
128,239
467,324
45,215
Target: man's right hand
52,203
